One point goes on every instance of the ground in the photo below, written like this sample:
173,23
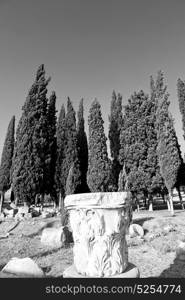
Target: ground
154,255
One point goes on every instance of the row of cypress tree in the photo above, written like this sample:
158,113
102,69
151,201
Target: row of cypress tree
52,156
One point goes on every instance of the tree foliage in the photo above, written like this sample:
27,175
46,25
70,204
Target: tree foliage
70,149
115,123
133,140
98,165
59,175
6,158
181,99
29,165
158,92
168,149
52,145
82,148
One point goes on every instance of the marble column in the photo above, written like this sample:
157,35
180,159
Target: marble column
99,222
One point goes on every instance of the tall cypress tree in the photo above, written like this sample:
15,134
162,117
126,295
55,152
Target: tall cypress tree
29,163
21,150
6,160
98,165
70,150
52,145
61,141
133,140
181,98
115,120
168,149
40,135
158,92
82,147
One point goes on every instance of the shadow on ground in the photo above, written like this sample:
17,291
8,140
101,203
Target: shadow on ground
45,225
2,266
140,221
175,270
45,253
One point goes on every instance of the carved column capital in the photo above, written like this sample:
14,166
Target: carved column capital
99,222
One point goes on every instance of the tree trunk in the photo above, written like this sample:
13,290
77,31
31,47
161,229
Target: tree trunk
163,197
36,199
42,201
54,204
150,200
171,202
61,203
145,201
150,206
16,201
180,198
168,202
1,201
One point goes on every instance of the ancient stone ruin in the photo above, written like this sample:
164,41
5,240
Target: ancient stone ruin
99,223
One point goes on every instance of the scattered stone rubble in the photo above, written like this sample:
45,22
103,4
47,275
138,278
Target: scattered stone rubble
25,212
136,230
22,267
53,237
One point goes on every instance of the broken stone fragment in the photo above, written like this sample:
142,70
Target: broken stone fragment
23,267
53,237
136,230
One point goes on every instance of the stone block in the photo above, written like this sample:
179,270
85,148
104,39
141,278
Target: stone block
136,230
22,267
53,237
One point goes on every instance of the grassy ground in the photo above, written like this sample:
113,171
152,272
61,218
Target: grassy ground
154,255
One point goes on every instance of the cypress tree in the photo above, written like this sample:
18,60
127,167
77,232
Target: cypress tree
71,179
29,163
61,141
98,165
181,99
70,149
82,147
115,120
133,151
158,92
138,147
6,160
52,145
19,172
168,149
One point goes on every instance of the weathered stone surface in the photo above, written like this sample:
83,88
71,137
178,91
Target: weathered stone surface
10,213
2,217
12,205
99,222
23,210
35,212
47,214
27,216
136,230
53,237
131,272
107,200
23,267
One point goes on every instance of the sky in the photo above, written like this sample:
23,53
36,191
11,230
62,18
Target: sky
89,48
